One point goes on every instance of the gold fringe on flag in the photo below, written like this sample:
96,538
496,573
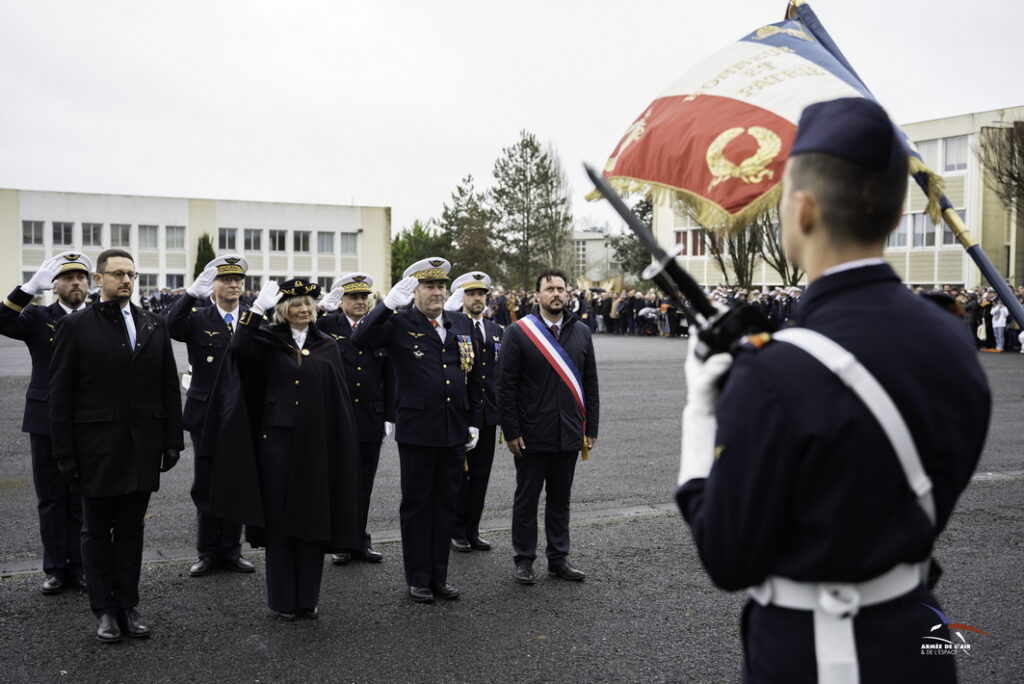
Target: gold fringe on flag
706,212
936,188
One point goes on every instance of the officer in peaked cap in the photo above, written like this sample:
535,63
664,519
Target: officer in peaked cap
827,508
371,387
469,295
205,318
438,417
60,506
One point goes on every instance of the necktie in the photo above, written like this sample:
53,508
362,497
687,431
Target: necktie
554,330
130,329
228,318
479,327
433,322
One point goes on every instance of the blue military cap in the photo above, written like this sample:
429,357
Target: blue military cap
299,287
855,129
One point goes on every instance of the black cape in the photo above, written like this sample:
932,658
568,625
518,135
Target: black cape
323,476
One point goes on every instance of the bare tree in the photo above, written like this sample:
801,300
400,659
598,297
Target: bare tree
1001,153
769,247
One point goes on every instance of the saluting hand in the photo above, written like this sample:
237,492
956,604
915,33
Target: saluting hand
332,300
268,297
454,302
43,278
203,285
401,293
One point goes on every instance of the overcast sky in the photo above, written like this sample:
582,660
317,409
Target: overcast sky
392,103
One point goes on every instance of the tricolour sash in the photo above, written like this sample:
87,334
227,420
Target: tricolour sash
563,366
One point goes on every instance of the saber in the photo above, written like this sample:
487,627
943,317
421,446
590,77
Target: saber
717,330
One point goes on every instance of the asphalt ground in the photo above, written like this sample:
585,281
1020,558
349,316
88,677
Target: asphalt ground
646,613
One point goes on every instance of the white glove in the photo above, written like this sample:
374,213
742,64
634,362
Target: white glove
202,286
1020,338
43,278
332,300
474,437
699,424
389,427
268,297
454,302
401,293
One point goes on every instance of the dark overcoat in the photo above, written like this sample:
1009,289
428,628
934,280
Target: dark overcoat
267,383
533,401
113,409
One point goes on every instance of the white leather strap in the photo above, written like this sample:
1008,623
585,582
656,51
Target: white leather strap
855,376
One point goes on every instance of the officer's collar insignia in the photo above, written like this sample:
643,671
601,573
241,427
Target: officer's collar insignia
436,262
51,326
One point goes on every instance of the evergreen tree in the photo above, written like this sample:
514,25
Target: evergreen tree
420,241
626,247
469,225
204,254
530,201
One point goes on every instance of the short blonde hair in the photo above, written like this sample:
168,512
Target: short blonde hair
281,308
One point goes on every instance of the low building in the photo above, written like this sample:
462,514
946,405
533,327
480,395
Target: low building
280,240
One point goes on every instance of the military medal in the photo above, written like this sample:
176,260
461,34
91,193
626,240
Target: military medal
465,353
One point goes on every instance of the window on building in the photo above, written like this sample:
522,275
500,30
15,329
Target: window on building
92,234
147,282
954,153
253,240
325,283
120,235
175,237
226,238
325,243
62,233
279,279
898,237
581,256
277,240
699,242
929,151
31,233
174,281
948,236
300,240
253,282
349,243
27,276
149,237
681,237
924,231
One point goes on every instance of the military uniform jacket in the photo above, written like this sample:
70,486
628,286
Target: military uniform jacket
35,326
533,401
114,410
489,353
811,489
206,335
438,401
369,377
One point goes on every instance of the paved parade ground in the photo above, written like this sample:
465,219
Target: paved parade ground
646,612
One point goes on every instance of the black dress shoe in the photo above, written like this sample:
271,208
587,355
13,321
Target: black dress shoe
203,566
287,617
131,624
370,555
238,564
77,583
52,585
461,545
309,613
339,558
566,572
108,631
524,573
479,544
421,594
446,591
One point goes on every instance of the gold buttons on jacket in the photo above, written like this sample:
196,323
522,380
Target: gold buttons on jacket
296,382
444,365
447,382
357,400
449,398
358,385
305,352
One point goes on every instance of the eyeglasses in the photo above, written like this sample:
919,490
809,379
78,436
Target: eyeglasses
119,275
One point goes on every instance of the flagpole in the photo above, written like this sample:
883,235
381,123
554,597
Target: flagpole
799,9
